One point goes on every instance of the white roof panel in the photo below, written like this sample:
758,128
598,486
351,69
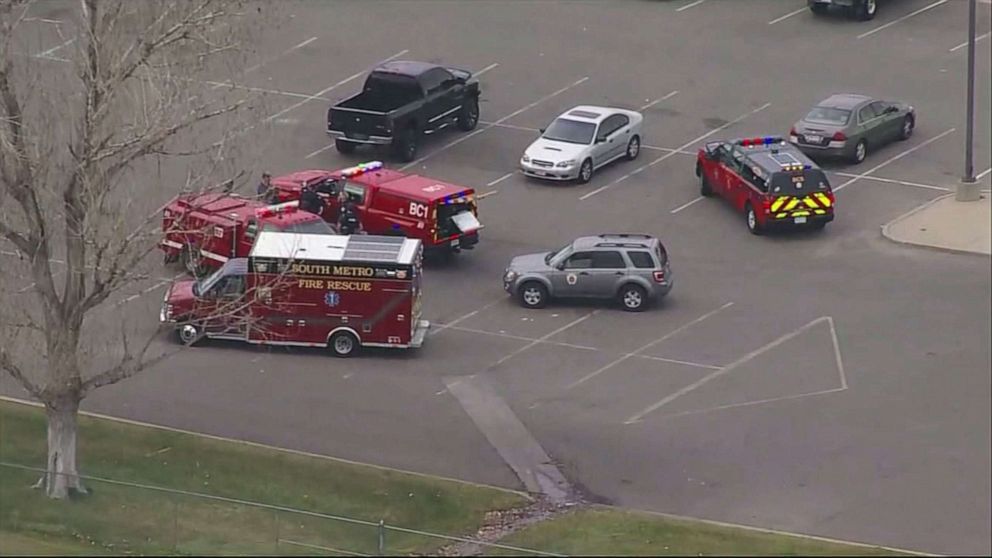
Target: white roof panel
335,248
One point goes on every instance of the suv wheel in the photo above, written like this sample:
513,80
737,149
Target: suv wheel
468,117
533,295
406,147
752,220
633,298
585,171
345,147
633,148
865,10
343,344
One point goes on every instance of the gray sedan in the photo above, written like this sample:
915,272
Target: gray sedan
849,126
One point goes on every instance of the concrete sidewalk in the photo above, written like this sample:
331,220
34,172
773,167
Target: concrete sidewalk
946,224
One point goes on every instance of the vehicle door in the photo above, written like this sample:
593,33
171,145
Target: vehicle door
442,100
869,126
608,270
890,121
228,307
570,276
736,190
617,133
753,186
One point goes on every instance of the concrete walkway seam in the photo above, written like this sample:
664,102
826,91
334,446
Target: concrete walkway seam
888,235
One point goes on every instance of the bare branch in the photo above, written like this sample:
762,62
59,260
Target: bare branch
7,364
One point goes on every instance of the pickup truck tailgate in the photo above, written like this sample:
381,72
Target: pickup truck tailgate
357,123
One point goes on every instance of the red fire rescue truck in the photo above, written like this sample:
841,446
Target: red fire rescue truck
206,230
768,180
313,290
441,215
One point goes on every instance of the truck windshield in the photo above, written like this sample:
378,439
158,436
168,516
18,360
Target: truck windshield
209,281
828,115
811,180
570,131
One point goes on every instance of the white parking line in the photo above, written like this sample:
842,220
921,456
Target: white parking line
691,4
787,16
44,20
903,18
457,321
964,44
332,87
264,62
486,69
668,335
501,179
893,181
52,50
758,402
232,85
319,151
521,338
500,121
656,101
982,174
544,338
675,151
730,367
685,205
892,159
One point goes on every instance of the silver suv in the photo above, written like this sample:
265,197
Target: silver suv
631,268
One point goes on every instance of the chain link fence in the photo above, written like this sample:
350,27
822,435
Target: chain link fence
146,519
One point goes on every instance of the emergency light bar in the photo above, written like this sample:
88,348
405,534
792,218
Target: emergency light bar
270,210
754,142
361,169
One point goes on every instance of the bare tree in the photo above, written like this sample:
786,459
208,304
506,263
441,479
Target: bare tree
81,135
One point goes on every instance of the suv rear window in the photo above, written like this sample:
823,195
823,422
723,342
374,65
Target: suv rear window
641,260
811,180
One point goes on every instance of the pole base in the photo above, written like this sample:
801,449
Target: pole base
968,191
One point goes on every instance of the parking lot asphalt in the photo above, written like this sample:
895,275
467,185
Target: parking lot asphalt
829,383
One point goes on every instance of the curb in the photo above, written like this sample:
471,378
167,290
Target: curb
888,235
525,495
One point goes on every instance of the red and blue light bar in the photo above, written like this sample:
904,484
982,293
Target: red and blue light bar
360,169
758,141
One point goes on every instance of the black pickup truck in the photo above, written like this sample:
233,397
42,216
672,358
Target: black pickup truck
400,102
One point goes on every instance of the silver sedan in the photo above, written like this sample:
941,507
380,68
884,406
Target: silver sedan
582,140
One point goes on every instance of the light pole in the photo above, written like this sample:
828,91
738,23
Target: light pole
968,190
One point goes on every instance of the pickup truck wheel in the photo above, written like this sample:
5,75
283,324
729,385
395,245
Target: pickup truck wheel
817,8
533,295
864,10
751,218
189,334
907,128
585,171
345,147
633,298
344,344
406,147
468,117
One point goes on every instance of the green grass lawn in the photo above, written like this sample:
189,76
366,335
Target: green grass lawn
609,531
118,519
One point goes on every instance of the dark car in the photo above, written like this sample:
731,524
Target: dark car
858,9
400,102
849,126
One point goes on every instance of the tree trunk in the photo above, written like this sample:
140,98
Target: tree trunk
61,476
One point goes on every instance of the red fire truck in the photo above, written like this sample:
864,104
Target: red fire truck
441,215
206,230
312,290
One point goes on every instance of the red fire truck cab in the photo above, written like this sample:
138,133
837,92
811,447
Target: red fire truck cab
443,216
313,290
206,230
770,181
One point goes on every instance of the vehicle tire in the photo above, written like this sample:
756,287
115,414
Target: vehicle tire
344,344
345,147
705,189
533,295
633,298
190,262
189,334
406,146
468,117
908,124
585,171
818,9
751,219
860,152
864,10
633,148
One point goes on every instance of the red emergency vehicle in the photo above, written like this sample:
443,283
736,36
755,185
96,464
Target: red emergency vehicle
768,180
313,290
441,215
206,230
